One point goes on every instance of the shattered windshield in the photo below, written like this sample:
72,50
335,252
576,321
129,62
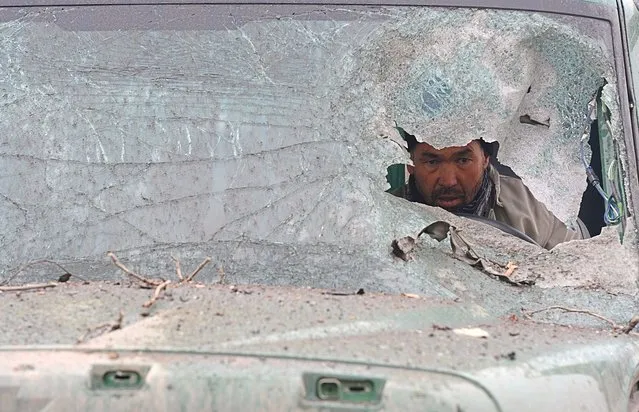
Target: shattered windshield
261,139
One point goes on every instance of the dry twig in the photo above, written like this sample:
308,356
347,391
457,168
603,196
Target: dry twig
628,329
340,293
197,269
528,315
126,270
631,325
178,268
27,287
222,277
156,294
38,262
103,328
510,268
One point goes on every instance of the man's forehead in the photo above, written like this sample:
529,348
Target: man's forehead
424,148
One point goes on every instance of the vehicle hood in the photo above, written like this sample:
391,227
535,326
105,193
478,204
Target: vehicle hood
341,325
277,336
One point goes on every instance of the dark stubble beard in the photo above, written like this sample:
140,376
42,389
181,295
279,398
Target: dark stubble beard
453,192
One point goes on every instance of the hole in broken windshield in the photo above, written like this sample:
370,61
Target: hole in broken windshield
470,181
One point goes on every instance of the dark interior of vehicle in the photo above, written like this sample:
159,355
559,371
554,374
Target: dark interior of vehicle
591,211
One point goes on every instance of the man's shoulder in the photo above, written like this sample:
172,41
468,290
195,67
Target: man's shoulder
513,190
503,170
506,181
518,207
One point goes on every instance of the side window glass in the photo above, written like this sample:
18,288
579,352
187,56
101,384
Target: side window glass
604,201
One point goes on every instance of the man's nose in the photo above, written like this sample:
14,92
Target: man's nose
447,175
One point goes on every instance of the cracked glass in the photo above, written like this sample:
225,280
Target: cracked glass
262,138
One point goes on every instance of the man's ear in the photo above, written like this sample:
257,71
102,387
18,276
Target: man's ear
411,169
486,162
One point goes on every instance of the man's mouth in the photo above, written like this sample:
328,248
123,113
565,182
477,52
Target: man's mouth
449,202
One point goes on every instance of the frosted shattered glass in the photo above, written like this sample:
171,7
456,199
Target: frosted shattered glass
263,142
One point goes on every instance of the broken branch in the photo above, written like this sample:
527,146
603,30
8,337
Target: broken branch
338,293
631,325
27,287
156,294
178,269
126,270
197,270
528,315
103,328
222,277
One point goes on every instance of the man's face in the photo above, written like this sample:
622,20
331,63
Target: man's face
448,177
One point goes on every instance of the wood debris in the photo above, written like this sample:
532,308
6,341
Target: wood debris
222,279
631,325
33,286
528,315
628,329
116,262
156,294
340,293
197,270
510,268
161,285
178,269
102,328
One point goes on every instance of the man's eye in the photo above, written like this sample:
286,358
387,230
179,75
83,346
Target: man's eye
463,160
432,162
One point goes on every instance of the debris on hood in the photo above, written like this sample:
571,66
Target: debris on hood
338,293
463,251
631,325
144,282
628,329
64,278
160,285
403,247
158,290
102,328
38,286
472,332
239,291
510,356
526,119
510,268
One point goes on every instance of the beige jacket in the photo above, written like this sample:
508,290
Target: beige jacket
516,206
